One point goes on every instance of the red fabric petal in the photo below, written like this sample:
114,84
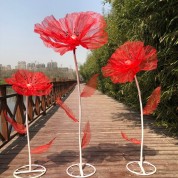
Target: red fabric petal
29,83
150,60
128,60
90,87
117,77
86,135
85,28
153,101
66,109
133,140
20,128
42,148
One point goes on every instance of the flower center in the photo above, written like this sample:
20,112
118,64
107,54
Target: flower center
73,37
29,85
128,62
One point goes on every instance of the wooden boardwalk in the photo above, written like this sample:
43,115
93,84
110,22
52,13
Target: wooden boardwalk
107,151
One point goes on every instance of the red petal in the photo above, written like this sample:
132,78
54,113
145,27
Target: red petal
66,109
150,59
153,101
87,135
42,148
20,128
120,77
90,87
124,136
133,140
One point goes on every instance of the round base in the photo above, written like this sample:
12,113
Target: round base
144,169
88,170
24,171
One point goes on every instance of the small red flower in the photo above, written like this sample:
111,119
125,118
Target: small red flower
128,60
29,83
85,28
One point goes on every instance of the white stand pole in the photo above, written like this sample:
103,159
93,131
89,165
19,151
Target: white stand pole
70,170
32,170
151,167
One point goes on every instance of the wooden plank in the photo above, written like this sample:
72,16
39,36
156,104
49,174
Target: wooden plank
107,151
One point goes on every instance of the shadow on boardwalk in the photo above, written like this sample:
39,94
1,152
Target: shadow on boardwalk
105,152
149,122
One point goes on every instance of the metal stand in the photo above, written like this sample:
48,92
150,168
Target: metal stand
32,171
77,170
88,170
136,167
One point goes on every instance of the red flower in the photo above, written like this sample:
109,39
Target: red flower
128,60
29,83
84,28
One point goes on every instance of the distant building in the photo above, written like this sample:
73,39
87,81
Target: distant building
4,68
21,65
63,69
8,67
71,74
66,73
40,66
31,66
52,65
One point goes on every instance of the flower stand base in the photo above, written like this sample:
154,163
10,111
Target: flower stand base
88,170
143,169
25,171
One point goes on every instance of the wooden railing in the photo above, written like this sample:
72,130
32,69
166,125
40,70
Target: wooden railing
37,106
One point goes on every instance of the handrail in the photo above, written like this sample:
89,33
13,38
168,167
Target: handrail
37,106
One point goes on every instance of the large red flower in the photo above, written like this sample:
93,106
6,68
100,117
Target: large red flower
128,60
85,28
29,83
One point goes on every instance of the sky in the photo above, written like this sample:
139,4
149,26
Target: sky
18,42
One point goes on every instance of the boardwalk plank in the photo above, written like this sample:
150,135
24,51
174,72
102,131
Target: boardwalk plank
107,151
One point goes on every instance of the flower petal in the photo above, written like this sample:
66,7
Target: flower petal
86,135
66,109
20,128
153,101
42,148
150,60
90,87
133,140
117,77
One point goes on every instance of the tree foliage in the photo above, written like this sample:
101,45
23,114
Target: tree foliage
155,22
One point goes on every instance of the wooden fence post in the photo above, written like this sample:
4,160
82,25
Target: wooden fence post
3,109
